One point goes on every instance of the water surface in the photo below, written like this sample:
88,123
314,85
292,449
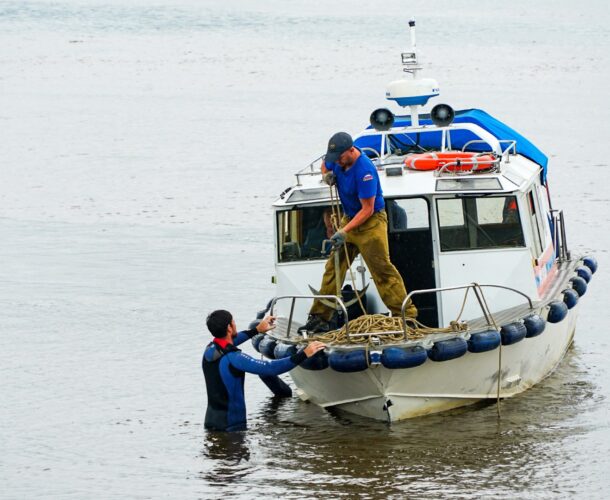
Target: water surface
142,145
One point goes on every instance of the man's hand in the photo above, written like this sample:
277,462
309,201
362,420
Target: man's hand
330,178
266,324
338,238
313,348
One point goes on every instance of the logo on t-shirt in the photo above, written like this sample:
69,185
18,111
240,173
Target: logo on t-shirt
367,177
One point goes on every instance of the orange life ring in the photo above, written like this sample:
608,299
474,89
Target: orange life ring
463,162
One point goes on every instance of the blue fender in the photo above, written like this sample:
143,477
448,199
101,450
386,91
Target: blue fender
283,350
261,314
319,361
557,311
579,284
444,350
570,297
484,341
584,272
267,346
397,357
591,263
256,340
534,324
348,362
513,333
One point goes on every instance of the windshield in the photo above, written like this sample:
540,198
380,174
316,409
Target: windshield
304,233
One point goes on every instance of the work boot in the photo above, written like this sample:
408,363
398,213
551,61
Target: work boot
315,324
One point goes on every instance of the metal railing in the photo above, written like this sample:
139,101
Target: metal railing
512,144
338,300
559,235
309,170
477,289
462,166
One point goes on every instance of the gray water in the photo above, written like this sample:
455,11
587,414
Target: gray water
141,145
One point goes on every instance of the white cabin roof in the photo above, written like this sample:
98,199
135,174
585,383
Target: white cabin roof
515,173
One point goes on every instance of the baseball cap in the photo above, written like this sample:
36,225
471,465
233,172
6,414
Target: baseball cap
338,144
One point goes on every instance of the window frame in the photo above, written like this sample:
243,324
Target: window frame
392,230
469,228
537,229
285,227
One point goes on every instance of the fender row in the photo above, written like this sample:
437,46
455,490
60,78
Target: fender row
394,357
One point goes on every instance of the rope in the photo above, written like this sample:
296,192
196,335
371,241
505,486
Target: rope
336,220
390,329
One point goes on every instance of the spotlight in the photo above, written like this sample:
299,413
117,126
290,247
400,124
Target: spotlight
442,115
382,119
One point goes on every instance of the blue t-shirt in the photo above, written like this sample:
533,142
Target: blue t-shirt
360,181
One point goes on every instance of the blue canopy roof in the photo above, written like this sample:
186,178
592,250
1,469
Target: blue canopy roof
461,137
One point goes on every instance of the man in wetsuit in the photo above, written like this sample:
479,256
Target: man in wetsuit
364,228
224,368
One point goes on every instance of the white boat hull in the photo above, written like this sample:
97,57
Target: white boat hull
397,394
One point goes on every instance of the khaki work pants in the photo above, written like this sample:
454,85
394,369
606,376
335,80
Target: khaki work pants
371,240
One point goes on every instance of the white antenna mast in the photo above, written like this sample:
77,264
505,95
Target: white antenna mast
416,92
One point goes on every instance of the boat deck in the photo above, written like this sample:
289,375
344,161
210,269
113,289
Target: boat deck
502,317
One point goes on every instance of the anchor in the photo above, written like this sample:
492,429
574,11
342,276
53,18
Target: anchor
359,295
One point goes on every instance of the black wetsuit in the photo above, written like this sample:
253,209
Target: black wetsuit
224,369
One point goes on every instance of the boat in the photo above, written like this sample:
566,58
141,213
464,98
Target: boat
482,251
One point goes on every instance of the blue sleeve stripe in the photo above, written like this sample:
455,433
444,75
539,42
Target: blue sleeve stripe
248,364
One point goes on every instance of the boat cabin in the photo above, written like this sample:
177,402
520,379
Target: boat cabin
466,203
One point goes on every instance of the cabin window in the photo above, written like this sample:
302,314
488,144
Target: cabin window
406,214
304,233
470,223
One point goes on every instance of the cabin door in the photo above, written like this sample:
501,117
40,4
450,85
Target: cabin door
410,239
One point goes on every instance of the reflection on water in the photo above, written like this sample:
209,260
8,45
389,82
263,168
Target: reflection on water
229,447
304,451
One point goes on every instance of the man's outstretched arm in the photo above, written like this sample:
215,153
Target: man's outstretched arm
249,364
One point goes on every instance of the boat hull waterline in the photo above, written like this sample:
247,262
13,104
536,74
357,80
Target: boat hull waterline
397,394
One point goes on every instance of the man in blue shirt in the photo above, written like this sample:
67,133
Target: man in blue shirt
224,368
363,230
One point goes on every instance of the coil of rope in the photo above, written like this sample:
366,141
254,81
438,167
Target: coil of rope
390,330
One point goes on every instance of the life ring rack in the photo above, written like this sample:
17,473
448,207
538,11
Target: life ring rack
452,161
